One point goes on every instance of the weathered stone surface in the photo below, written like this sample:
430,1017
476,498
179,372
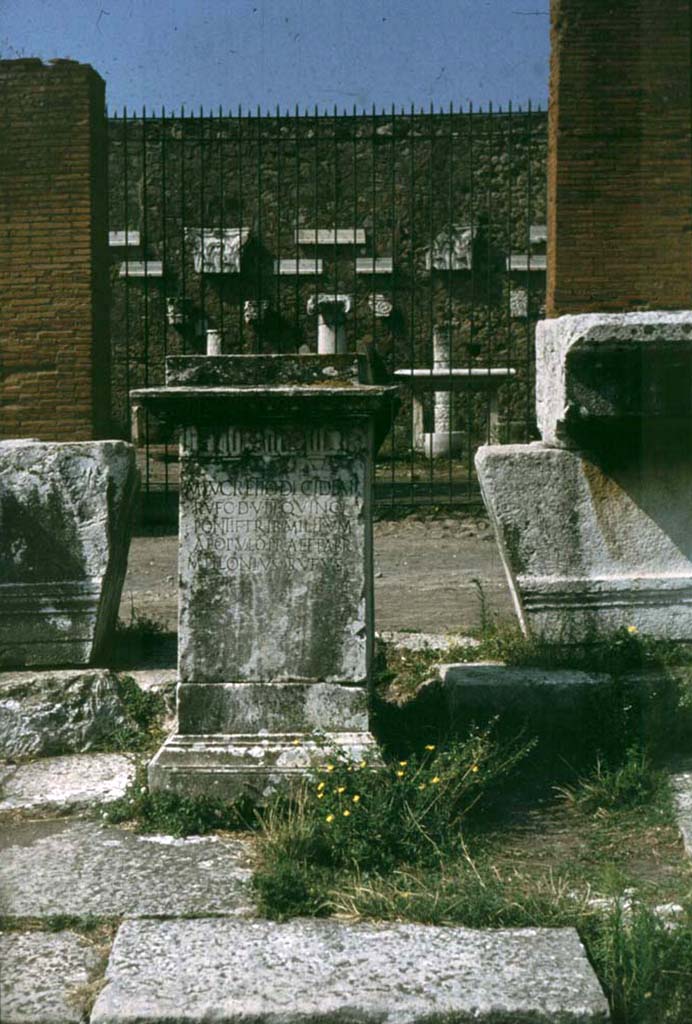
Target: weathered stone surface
682,793
323,970
588,550
64,784
46,977
600,371
81,868
271,370
59,712
256,764
65,519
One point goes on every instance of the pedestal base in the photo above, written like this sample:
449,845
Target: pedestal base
253,765
441,443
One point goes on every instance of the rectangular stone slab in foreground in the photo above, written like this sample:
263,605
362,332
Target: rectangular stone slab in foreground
221,970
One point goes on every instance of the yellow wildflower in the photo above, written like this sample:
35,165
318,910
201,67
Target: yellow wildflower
362,764
320,796
356,799
632,630
474,768
321,785
347,813
341,789
296,743
435,779
422,785
330,767
429,746
400,774
403,763
329,818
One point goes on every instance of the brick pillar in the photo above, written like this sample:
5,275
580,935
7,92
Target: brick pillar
620,156
54,334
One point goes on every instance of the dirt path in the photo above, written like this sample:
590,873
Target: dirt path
425,573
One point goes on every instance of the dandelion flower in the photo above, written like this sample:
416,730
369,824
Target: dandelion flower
341,789
356,798
403,763
329,818
321,785
347,813
320,796
422,785
362,764
400,774
330,767
474,768
632,630
435,779
429,746
296,743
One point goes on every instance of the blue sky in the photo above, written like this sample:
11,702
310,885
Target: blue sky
268,52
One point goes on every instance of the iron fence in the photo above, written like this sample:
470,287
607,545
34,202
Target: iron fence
421,234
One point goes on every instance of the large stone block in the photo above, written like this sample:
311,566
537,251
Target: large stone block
588,549
306,971
65,519
609,376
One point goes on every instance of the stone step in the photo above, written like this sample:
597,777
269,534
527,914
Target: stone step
47,977
80,868
64,785
230,971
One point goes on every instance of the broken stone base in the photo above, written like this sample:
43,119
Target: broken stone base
66,514
306,971
254,765
590,548
64,785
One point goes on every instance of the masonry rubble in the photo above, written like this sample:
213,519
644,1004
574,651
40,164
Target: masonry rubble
65,518
276,578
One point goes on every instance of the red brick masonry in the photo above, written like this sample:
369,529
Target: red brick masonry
54,339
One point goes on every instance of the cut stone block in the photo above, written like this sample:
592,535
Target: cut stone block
122,239
307,971
289,267
61,785
80,868
141,268
374,265
522,261
330,236
59,712
602,370
65,519
682,794
46,977
452,249
587,551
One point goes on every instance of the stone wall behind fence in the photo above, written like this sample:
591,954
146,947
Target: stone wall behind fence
54,351
400,178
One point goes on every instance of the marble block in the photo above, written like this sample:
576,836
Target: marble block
589,548
601,376
65,520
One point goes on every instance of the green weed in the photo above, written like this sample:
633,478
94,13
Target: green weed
634,783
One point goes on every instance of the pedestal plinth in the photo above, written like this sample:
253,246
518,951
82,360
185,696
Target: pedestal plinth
276,606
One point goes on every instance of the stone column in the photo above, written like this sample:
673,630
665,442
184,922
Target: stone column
276,578
595,523
443,440
55,378
331,317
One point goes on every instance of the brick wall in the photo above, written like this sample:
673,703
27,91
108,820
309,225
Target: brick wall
54,364
620,156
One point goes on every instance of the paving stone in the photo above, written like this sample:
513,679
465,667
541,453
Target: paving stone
225,970
81,868
682,793
65,784
45,977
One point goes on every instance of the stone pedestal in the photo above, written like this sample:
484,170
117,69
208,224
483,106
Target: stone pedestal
595,524
276,606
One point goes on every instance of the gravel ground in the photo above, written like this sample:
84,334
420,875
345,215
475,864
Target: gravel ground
431,575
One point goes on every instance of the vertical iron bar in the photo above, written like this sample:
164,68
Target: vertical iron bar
164,260
145,240
472,318
183,252
202,226
528,366
220,139
260,225
241,215
126,200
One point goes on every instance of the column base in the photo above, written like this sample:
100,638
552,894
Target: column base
441,443
254,765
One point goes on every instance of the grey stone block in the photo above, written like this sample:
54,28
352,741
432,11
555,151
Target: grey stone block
587,549
59,712
598,369
307,971
46,978
682,794
62,785
80,868
65,519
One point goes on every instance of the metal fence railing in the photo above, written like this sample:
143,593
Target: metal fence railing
426,230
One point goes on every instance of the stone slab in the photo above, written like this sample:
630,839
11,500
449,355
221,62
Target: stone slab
271,370
64,711
84,868
681,782
598,371
66,514
306,971
589,550
330,236
46,977
62,785
289,267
